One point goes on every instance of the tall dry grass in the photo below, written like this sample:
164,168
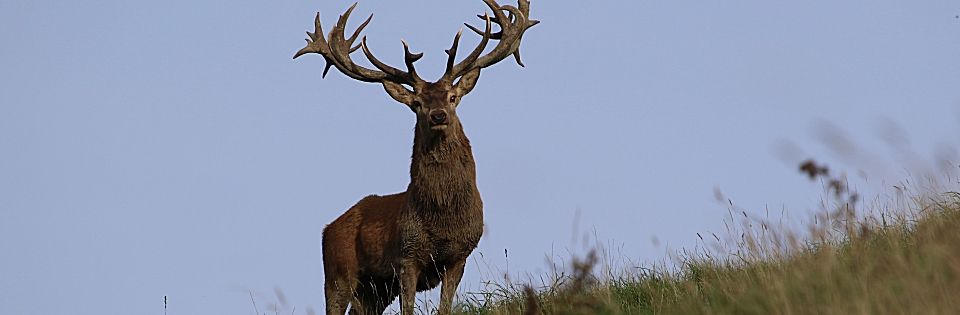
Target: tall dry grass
889,255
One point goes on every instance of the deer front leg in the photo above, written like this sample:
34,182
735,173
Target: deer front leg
408,288
451,279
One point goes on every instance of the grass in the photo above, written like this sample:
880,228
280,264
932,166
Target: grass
898,255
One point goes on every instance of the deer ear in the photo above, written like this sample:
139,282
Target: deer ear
398,92
467,81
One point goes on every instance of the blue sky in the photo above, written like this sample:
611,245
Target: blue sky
152,149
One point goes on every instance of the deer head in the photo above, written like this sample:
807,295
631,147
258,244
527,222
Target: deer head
434,103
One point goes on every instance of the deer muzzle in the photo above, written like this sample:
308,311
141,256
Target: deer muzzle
438,119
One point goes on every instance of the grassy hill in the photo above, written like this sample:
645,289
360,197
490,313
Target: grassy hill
893,255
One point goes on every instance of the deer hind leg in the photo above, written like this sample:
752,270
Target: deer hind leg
451,279
338,292
373,297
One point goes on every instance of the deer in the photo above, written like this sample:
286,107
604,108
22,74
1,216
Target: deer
396,245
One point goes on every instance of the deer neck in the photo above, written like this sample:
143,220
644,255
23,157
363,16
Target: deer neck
442,171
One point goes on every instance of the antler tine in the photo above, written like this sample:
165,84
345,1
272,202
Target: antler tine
512,26
525,9
317,44
357,32
516,55
360,28
339,51
337,40
455,71
395,74
452,53
512,31
409,59
479,32
336,50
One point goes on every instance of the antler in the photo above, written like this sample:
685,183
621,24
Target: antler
336,50
512,26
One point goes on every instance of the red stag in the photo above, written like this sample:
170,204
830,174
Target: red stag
385,246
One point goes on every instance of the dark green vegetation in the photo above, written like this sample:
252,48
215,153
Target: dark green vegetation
896,255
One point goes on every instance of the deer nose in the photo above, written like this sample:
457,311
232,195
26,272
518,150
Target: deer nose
438,117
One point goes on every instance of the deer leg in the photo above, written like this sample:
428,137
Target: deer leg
338,293
380,305
373,298
451,279
408,288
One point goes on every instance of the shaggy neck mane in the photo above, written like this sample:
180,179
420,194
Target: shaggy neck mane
436,147
442,171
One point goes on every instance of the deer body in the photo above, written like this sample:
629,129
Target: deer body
396,245
428,230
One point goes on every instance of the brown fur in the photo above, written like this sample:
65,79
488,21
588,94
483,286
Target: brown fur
385,246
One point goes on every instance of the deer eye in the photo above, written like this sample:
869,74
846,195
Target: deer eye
453,98
416,104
